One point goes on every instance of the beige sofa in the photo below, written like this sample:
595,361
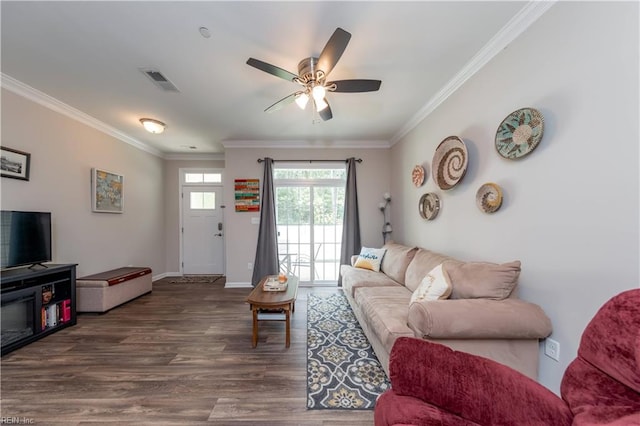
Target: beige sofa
482,316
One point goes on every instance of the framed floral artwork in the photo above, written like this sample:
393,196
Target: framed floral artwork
107,191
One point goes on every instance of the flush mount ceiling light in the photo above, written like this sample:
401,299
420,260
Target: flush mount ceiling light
153,126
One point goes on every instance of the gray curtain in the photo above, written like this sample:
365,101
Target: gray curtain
351,221
266,261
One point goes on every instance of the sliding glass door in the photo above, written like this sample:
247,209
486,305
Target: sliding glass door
309,210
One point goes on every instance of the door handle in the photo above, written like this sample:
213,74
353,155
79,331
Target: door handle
218,235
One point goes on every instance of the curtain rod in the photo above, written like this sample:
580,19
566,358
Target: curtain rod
261,160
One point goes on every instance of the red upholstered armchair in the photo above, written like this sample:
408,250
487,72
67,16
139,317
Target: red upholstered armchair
432,384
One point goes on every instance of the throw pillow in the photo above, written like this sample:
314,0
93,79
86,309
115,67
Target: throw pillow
370,258
482,280
434,286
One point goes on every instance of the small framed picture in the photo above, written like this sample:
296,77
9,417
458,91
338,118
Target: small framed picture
14,164
107,194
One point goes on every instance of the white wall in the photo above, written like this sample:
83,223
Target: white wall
241,163
570,212
63,151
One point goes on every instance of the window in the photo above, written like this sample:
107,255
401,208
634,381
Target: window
202,200
190,177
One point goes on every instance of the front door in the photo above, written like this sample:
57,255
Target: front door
202,230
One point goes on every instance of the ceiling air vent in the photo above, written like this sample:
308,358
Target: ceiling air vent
159,80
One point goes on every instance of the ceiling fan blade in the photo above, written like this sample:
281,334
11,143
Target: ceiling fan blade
326,113
333,50
355,86
282,102
272,69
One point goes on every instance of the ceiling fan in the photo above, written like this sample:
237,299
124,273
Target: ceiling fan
312,76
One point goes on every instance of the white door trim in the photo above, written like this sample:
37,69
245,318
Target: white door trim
181,179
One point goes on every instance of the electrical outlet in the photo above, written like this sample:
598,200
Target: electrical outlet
552,349
250,266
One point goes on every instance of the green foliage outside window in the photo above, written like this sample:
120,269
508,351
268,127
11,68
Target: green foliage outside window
293,196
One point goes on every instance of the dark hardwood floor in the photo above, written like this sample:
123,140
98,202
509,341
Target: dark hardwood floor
179,356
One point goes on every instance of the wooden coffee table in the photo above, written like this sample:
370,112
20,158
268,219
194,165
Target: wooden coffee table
266,303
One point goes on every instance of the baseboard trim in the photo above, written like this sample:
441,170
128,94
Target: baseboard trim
165,275
237,285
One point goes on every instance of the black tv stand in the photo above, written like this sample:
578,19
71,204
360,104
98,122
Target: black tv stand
36,302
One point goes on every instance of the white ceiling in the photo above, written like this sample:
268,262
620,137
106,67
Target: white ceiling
87,55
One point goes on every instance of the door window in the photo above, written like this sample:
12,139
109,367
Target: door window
203,200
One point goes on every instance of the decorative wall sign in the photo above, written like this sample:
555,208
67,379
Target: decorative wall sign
14,164
519,133
417,176
489,197
449,162
429,206
247,193
107,191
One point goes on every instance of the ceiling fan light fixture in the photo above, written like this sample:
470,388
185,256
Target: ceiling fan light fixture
302,100
312,76
153,126
318,93
320,104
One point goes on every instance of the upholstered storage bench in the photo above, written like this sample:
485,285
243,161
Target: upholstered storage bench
106,290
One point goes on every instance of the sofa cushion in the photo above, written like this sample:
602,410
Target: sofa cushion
396,260
370,258
385,310
423,262
434,286
478,319
353,278
482,280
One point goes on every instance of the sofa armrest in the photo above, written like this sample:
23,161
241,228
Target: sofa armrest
478,319
475,388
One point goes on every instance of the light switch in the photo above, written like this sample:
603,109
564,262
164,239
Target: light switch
255,221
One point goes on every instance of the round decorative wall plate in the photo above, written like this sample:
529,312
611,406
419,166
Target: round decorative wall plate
429,206
489,197
449,162
519,133
417,176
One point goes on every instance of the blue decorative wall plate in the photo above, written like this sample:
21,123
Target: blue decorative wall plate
519,133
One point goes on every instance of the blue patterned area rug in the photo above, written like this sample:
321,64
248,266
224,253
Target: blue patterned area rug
342,369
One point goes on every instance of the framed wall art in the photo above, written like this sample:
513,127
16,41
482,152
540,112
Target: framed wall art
247,195
107,191
14,164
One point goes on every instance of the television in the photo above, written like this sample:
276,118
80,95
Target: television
25,238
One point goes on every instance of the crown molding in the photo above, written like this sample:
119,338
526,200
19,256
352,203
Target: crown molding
303,144
193,156
28,92
516,26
